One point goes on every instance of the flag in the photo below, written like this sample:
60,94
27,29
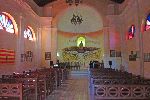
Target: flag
7,56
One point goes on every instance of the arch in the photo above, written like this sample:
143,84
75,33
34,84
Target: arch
81,41
92,20
8,23
29,33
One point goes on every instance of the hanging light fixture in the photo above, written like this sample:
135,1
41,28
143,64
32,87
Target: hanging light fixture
76,19
76,2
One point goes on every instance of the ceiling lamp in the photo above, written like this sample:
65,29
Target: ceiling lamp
76,2
76,19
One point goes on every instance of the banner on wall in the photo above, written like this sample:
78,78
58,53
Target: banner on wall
7,56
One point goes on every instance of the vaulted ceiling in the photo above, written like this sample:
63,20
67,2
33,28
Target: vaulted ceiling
44,2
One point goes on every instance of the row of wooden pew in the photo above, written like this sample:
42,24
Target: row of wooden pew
111,84
32,85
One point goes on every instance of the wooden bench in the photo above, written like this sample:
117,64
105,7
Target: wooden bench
35,85
14,91
117,85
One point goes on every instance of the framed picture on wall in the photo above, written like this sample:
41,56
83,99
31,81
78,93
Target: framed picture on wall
47,55
118,53
146,57
112,53
132,58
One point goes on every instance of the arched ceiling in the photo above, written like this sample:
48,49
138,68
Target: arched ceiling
42,3
92,21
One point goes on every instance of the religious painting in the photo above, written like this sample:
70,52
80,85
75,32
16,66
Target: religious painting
118,53
132,56
47,55
146,57
29,53
112,53
27,56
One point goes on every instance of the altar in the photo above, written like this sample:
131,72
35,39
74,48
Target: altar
82,55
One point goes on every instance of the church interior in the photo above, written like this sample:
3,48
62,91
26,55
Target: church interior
74,49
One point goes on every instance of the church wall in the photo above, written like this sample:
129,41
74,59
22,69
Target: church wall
135,12
16,41
114,37
49,44
144,11
129,45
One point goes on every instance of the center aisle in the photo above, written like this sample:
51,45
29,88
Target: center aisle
75,88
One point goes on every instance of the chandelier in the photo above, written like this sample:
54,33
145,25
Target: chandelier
76,19
76,2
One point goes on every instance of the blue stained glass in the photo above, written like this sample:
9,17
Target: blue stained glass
6,23
147,26
148,17
28,34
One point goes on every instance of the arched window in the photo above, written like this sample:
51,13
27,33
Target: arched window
6,23
147,26
131,32
28,33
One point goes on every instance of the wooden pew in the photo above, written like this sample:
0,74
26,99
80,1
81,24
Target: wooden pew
119,92
35,85
117,85
14,91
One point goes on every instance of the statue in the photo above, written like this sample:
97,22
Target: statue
81,44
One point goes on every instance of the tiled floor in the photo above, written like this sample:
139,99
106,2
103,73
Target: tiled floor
76,88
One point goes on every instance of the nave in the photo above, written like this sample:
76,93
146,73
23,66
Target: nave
111,37
75,88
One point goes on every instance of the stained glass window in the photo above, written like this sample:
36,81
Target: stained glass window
131,32
28,33
6,23
147,22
